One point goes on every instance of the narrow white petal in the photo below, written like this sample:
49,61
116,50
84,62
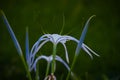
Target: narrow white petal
42,38
40,57
63,62
66,52
39,46
91,50
84,48
34,47
72,38
35,52
66,38
61,39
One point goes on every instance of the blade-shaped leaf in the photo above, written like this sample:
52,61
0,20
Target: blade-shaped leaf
16,43
83,35
27,46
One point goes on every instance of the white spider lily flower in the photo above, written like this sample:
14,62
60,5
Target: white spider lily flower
49,59
55,39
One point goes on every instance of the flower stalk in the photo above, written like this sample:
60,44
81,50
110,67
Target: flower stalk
73,62
26,68
53,61
47,69
37,72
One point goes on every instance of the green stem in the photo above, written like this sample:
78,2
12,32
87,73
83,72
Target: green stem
74,60
47,69
37,72
53,61
26,67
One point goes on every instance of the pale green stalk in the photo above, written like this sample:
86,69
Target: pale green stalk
74,60
53,61
47,69
26,67
37,72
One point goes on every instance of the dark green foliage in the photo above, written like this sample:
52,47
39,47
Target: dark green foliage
40,16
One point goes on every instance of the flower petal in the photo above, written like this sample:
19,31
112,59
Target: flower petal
90,50
72,38
63,39
35,46
16,43
63,62
37,59
66,52
42,38
38,48
84,48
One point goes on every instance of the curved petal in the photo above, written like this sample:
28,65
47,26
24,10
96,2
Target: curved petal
72,38
66,38
34,47
37,59
90,50
42,38
39,46
63,62
66,52
61,39
84,48
33,55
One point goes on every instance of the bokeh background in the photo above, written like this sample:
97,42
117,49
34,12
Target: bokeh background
47,16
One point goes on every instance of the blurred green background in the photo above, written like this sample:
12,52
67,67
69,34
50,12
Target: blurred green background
46,16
